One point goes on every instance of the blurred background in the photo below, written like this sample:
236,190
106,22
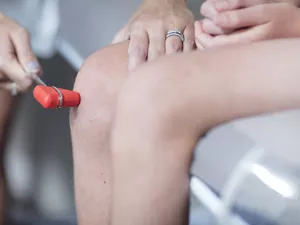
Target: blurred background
38,154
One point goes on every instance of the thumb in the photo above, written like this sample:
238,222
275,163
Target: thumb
202,39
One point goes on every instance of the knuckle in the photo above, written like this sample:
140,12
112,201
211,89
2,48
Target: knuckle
138,51
190,40
158,23
135,26
176,47
141,24
25,84
232,18
21,32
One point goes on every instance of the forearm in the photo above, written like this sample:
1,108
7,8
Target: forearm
5,108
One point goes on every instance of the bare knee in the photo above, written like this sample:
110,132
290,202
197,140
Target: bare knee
152,141
97,81
153,108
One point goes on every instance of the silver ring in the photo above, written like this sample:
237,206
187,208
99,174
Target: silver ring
14,89
60,97
175,33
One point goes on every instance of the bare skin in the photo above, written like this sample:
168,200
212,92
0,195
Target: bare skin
231,10
99,82
17,64
148,27
161,112
5,105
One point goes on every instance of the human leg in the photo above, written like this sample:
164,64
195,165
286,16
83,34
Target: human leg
163,109
99,82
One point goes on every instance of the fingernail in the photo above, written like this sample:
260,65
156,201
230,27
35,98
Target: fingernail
33,66
221,5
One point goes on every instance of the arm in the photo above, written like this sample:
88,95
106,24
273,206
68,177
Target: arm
5,106
17,63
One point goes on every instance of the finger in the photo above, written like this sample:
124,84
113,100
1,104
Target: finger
225,5
210,28
240,37
15,73
202,39
252,16
173,44
189,38
156,43
138,48
122,35
11,87
20,38
208,10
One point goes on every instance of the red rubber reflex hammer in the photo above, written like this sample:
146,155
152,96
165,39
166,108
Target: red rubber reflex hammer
52,97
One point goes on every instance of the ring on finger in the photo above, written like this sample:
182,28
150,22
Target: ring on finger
14,89
175,33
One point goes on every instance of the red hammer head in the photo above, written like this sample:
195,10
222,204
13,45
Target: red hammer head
52,97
